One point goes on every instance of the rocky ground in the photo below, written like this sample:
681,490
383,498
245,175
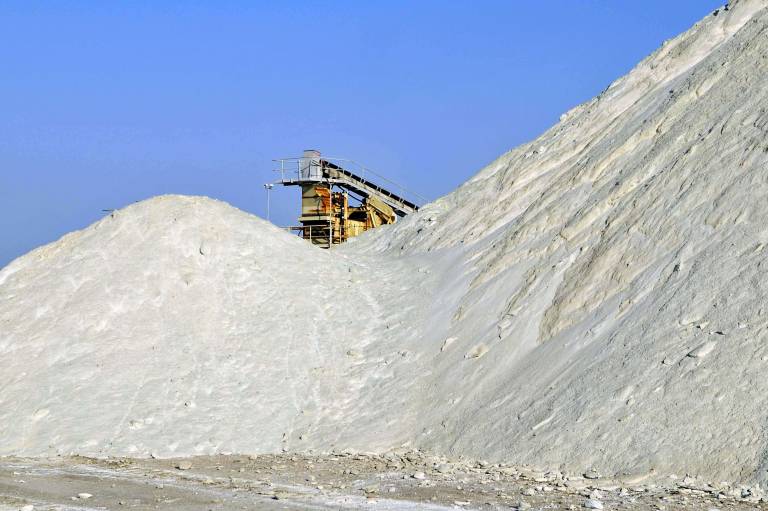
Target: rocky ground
407,480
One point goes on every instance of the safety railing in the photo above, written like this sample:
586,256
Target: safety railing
315,234
292,170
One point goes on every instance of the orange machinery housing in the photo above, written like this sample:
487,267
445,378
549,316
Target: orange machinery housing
327,218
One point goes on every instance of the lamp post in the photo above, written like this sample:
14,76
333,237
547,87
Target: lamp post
268,187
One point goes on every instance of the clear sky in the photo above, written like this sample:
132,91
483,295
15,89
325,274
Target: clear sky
106,103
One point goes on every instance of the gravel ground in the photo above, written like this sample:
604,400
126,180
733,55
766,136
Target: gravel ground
407,480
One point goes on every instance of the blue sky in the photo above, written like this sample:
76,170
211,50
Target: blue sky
106,103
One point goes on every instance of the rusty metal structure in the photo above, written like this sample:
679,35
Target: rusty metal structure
341,199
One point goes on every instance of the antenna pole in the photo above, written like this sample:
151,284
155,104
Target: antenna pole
268,187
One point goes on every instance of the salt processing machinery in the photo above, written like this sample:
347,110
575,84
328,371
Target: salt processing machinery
341,199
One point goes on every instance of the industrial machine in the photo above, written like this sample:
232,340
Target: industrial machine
339,198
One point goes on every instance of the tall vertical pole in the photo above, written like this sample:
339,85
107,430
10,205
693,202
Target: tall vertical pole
268,187
330,216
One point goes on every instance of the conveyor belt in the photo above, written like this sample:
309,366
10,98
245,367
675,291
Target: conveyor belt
362,186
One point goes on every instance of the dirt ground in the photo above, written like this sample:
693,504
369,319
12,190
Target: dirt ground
409,480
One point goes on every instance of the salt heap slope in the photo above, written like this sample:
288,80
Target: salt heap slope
615,314
176,325
593,299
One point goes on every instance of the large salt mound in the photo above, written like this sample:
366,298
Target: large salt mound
592,299
177,325
617,270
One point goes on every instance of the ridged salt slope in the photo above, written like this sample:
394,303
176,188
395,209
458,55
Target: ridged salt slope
617,274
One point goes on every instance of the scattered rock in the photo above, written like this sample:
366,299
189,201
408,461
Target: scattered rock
447,343
184,465
703,350
477,352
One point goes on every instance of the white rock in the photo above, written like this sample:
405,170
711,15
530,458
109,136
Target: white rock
477,352
593,504
703,350
447,343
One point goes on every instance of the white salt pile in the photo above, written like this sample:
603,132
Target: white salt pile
595,299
